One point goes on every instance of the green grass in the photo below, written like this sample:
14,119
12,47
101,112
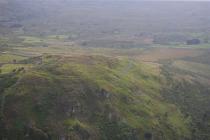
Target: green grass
8,68
3,40
9,58
57,37
31,39
134,100
121,79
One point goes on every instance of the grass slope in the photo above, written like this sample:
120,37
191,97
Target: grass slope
89,97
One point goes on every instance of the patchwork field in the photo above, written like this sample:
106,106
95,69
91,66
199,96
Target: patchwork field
197,68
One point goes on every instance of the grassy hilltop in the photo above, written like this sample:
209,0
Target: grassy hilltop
91,97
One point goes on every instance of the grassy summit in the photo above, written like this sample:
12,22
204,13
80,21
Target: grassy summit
88,97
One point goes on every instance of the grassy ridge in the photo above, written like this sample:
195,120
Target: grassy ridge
188,88
92,97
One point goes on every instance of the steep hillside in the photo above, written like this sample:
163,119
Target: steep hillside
187,86
87,98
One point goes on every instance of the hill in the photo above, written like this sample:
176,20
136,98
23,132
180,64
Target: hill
88,97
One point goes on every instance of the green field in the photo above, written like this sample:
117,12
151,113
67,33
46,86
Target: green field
10,58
